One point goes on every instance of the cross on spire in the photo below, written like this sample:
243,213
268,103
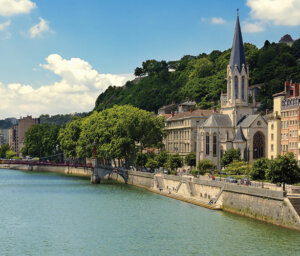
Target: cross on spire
237,11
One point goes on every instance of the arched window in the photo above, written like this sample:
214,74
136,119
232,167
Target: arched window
236,86
207,144
229,88
243,88
258,145
215,144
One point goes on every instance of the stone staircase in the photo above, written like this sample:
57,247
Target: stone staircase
159,182
295,201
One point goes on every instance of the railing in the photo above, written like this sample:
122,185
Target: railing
24,162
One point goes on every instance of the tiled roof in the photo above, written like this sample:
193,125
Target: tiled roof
218,120
248,120
195,113
239,136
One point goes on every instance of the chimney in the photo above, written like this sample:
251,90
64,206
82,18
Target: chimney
172,113
267,111
215,110
191,110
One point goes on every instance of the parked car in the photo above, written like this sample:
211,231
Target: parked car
231,180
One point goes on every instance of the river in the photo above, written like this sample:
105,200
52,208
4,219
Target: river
49,214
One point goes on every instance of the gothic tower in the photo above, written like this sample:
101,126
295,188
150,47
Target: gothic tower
235,102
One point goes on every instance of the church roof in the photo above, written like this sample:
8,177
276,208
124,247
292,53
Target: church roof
239,136
237,56
248,120
199,113
218,120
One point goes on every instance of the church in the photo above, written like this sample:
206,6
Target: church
236,125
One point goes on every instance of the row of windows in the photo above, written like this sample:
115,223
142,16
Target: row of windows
179,135
179,147
289,113
179,123
286,124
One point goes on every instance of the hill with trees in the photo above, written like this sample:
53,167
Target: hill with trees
202,78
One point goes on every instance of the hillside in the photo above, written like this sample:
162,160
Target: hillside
202,78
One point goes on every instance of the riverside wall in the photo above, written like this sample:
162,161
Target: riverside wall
67,170
262,204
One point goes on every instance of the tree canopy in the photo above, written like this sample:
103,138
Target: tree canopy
201,78
230,155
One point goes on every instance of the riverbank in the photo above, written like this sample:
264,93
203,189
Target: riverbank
257,203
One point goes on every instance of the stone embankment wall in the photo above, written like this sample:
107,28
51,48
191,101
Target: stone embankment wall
79,172
262,204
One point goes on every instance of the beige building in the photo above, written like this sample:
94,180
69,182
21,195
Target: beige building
283,123
182,131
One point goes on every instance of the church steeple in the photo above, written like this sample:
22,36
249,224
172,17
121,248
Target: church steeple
237,56
237,71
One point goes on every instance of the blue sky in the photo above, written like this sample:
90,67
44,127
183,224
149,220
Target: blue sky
71,50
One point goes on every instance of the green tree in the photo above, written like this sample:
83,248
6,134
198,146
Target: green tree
174,162
284,169
10,154
3,150
190,159
230,155
41,140
237,167
141,159
152,164
260,168
68,137
119,133
205,165
161,158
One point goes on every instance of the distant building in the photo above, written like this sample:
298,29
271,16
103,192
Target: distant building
17,133
187,106
13,120
168,109
4,136
287,39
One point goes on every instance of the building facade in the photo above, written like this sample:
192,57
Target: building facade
236,126
182,131
283,123
17,133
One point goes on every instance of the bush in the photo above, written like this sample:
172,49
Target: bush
229,156
205,165
141,159
161,158
152,164
190,159
237,167
174,162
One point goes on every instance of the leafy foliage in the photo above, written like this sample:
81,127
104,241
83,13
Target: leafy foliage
10,154
284,169
141,159
152,164
41,140
190,159
161,158
201,78
230,155
205,165
259,169
237,167
174,162
3,150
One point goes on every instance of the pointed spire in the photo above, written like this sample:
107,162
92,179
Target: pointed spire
239,136
237,56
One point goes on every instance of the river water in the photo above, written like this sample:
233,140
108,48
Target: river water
49,214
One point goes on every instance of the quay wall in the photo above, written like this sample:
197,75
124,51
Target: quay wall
259,203
67,170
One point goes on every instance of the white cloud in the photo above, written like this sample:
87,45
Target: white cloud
216,20
38,29
253,27
4,25
76,91
14,7
276,12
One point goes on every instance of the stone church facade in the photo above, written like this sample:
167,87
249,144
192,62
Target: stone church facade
236,126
